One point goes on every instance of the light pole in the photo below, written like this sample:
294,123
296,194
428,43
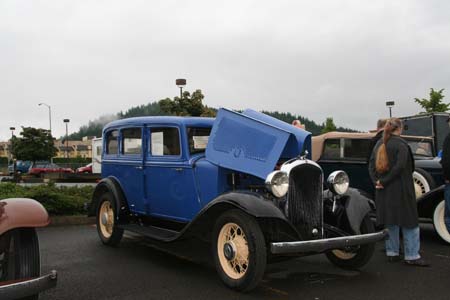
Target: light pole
180,83
10,147
390,104
49,115
67,137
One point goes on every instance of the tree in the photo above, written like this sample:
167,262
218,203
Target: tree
435,103
35,144
328,126
187,105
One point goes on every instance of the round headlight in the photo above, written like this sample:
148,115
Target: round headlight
338,182
277,183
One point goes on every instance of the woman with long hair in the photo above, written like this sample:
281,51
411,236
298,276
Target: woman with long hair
391,167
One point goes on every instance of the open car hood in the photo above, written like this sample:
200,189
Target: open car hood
253,143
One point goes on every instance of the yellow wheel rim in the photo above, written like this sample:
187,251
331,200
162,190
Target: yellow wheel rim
106,219
234,263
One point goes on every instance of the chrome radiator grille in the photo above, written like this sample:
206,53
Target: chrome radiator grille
305,200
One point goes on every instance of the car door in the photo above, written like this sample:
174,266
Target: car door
169,177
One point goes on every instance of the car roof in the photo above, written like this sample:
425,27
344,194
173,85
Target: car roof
186,121
318,141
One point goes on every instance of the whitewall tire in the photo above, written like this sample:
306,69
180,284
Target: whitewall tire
439,224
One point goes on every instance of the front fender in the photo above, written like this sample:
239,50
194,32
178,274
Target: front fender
271,219
427,202
22,212
357,206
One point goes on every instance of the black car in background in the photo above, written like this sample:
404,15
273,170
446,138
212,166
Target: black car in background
349,152
434,125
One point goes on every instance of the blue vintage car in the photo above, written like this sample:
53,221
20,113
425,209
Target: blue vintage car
242,181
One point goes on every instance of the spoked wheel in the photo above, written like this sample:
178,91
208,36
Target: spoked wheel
106,221
439,224
19,256
354,257
423,182
239,250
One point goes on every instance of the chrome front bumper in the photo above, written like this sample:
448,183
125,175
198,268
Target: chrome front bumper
324,245
18,290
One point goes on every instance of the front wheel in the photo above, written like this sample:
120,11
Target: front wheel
354,257
438,222
19,256
107,228
239,250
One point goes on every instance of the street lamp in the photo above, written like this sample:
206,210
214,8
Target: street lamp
49,114
180,83
390,104
12,135
67,137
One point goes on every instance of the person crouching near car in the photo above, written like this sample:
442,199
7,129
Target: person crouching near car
445,161
391,167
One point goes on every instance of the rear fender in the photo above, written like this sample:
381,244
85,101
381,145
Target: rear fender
428,202
111,185
22,212
356,205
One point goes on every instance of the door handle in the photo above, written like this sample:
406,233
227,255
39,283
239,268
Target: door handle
139,168
178,169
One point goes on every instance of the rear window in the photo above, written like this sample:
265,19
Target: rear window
198,139
132,141
164,141
112,142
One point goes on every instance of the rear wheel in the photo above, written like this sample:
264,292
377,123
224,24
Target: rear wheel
107,228
354,257
19,256
438,222
239,250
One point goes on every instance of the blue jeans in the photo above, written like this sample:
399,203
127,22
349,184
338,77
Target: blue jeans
447,206
411,241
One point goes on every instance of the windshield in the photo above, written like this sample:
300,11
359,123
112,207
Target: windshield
421,148
198,139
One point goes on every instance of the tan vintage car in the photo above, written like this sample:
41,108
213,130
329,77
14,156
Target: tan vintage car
20,274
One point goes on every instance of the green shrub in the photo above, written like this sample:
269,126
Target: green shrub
57,200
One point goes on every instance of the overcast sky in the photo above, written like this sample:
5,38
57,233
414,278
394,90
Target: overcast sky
343,59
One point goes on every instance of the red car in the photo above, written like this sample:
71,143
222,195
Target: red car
44,168
86,169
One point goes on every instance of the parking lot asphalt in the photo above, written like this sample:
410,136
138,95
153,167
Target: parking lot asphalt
144,269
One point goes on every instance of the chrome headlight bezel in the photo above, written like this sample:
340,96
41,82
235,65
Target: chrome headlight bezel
338,182
277,182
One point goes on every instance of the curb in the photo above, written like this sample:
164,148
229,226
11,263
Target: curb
71,220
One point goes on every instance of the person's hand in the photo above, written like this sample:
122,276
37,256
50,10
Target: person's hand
378,185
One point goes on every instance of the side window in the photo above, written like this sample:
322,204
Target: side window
111,142
356,149
164,141
198,139
332,149
132,141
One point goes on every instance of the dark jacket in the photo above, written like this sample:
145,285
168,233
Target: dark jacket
445,161
373,143
396,203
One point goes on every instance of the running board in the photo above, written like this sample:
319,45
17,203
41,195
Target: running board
153,232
